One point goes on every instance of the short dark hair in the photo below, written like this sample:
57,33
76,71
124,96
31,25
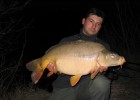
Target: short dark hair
94,11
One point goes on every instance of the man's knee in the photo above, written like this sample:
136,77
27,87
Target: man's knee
100,84
63,94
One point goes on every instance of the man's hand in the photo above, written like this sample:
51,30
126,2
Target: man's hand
103,68
52,68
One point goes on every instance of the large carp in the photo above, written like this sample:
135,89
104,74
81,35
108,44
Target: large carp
75,58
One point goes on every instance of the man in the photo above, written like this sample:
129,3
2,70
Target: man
86,89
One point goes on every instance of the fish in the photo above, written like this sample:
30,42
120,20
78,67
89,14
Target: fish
74,58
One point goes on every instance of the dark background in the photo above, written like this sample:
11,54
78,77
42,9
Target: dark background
53,20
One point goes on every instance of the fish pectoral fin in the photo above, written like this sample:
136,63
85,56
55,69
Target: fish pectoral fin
35,76
94,74
50,73
75,79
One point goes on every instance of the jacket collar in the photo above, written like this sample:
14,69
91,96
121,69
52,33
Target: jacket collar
88,38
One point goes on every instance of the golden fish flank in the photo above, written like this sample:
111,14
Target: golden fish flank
76,58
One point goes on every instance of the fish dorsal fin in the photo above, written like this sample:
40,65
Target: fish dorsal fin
50,73
95,73
74,79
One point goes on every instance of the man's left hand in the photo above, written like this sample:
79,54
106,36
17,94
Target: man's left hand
103,68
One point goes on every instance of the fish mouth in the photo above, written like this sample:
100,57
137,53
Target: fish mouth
121,61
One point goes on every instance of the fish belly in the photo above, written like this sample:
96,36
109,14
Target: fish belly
75,65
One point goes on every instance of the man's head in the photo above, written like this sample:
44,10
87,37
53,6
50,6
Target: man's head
92,22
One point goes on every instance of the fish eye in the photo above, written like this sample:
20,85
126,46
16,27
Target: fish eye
112,56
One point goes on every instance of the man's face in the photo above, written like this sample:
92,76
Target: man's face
92,24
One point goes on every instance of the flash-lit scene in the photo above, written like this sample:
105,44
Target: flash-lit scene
69,50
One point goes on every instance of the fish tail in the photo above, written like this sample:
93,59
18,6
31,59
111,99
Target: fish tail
34,66
31,66
36,75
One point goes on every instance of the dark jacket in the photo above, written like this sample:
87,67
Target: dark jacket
63,81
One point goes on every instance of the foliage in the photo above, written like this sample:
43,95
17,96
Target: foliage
13,29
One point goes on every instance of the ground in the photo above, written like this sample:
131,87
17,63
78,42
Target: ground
126,88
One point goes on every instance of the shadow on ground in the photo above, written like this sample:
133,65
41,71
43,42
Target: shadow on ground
126,87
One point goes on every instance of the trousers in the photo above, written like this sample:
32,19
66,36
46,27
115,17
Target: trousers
86,89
